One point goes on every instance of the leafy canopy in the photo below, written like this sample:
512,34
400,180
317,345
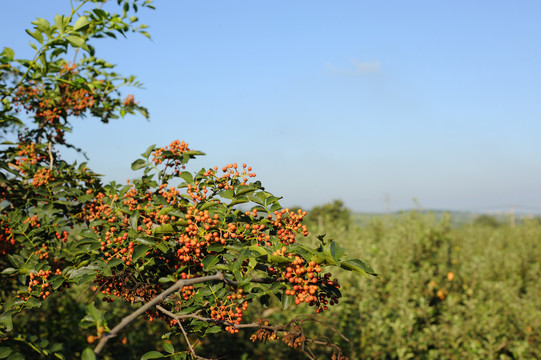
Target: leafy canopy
191,248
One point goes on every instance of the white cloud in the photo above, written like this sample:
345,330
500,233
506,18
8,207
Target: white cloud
356,68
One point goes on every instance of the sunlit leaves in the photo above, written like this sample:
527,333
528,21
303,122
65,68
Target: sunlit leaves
61,227
82,22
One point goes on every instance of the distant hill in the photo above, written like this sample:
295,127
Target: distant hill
458,218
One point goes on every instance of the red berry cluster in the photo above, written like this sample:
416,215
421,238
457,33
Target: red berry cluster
230,310
172,152
52,107
7,240
306,284
39,284
126,287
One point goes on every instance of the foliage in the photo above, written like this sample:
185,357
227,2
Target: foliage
335,213
445,292
470,292
487,220
191,249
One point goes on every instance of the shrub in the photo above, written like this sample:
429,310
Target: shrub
171,245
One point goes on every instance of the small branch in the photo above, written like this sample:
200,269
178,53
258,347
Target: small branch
51,160
284,328
14,166
210,320
313,318
194,355
158,299
254,280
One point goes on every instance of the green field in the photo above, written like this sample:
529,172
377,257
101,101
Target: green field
444,292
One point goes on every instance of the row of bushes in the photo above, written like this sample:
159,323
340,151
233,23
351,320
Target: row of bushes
471,292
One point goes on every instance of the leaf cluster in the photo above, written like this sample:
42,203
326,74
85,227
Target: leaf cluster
190,248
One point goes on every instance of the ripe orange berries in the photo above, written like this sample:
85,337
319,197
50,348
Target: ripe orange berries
91,339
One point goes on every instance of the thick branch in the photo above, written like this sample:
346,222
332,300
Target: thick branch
158,299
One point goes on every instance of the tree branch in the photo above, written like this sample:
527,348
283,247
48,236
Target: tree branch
283,328
158,299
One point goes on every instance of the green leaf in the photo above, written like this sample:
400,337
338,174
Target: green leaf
138,164
9,271
42,24
93,312
167,279
239,200
244,190
114,262
194,152
88,354
10,54
36,35
134,219
148,151
145,241
207,205
80,23
152,355
216,247
259,208
227,194
336,251
275,207
187,176
358,266
57,282
163,247
181,222
259,197
6,320
286,301
5,351
164,229
165,210
59,21
139,251
85,270
209,261
213,330
273,199
76,41
278,259
16,356
16,260
168,347
260,251
32,303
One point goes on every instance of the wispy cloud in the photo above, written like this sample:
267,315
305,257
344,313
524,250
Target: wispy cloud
356,68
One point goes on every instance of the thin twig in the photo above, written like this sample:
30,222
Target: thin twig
283,328
50,156
194,355
158,299
14,166
312,318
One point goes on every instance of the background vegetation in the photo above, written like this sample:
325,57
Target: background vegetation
445,292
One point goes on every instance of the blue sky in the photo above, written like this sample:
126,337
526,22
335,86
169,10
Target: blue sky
375,103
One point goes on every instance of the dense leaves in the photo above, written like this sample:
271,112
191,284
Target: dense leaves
191,248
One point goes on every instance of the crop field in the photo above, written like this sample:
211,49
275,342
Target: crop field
468,292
